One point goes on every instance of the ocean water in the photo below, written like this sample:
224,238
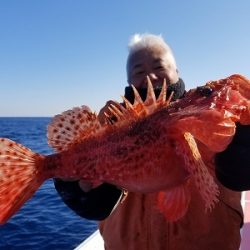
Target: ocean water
44,222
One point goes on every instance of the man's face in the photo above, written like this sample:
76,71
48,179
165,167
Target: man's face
152,62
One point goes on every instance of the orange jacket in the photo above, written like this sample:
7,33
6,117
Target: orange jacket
137,224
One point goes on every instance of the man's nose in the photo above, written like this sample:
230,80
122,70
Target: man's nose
153,77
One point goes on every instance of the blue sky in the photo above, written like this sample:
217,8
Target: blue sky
58,54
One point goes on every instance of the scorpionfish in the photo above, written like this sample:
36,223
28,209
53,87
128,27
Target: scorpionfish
154,146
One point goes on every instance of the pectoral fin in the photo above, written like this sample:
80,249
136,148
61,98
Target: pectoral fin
194,164
174,202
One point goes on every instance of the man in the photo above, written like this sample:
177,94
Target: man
135,223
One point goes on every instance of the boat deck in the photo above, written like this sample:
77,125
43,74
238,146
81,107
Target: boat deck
95,241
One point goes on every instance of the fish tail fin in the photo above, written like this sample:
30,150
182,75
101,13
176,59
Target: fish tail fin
20,176
174,203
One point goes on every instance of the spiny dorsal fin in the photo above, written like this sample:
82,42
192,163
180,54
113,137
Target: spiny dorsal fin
161,100
151,99
139,108
72,127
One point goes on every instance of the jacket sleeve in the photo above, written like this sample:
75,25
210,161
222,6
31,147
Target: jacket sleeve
232,166
96,204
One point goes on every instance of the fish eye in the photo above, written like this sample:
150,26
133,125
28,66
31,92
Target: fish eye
205,90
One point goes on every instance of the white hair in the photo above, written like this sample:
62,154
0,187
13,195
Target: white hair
143,41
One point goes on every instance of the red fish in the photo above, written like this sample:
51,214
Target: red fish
154,146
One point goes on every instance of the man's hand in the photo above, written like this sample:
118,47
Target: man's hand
232,166
105,110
